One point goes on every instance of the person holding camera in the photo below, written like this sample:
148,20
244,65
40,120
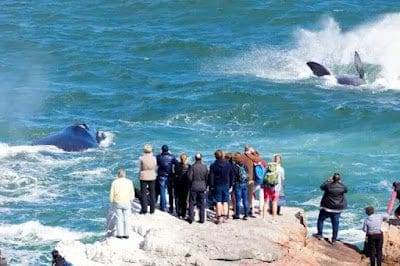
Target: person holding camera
333,202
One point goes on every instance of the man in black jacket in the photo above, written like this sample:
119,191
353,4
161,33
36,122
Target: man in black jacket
198,185
166,162
333,202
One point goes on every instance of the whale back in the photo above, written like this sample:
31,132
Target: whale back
74,138
318,69
349,80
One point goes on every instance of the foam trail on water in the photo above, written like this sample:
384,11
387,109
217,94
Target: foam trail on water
377,43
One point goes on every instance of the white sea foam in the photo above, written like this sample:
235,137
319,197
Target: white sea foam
12,151
377,43
34,230
108,141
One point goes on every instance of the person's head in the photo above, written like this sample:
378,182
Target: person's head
277,158
369,210
396,185
236,157
228,156
121,173
336,177
198,157
147,148
164,148
183,157
219,154
248,149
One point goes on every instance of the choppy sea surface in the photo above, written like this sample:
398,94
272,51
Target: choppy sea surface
196,75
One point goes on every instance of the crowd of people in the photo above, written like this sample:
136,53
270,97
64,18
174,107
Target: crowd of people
237,178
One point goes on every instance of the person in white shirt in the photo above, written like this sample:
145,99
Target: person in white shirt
121,195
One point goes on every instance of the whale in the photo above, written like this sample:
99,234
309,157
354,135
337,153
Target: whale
351,80
78,137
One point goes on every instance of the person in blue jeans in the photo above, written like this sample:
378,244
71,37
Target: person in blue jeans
333,202
221,177
165,173
240,177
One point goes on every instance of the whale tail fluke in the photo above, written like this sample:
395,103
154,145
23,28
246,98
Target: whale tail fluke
359,65
318,69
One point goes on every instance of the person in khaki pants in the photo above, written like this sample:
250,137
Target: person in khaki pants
121,195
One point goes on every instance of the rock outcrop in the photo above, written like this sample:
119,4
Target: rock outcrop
163,239
391,245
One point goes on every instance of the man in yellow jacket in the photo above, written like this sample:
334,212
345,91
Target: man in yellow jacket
121,195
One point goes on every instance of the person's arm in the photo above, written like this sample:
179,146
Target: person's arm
391,202
211,178
325,184
345,189
112,193
132,191
190,174
254,157
365,225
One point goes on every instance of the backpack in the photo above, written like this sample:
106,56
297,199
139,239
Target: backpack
243,175
259,172
271,175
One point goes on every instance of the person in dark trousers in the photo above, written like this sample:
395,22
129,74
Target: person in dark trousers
197,176
221,179
147,176
166,162
240,177
333,202
181,186
372,226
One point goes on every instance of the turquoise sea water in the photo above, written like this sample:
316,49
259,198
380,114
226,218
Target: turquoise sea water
196,75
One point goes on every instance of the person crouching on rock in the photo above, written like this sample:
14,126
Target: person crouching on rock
121,195
372,226
147,178
395,194
197,176
221,176
333,202
181,186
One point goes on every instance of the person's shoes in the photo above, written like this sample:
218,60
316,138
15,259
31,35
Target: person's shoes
189,221
200,222
171,211
126,237
142,212
333,242
317,236
245,218
120,237
253,216
235,217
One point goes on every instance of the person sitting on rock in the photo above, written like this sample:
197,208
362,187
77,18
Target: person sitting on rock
372,226
395,194
333,202
197,177
181,184
121,195
221,176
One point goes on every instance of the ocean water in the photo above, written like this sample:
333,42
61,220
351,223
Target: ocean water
196,75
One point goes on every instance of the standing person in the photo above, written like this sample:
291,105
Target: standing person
372,226
181,184
395,194
121,195
281,171
197,176
249,158
166,162
333,202
147,176
221,175
241,176
273,186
